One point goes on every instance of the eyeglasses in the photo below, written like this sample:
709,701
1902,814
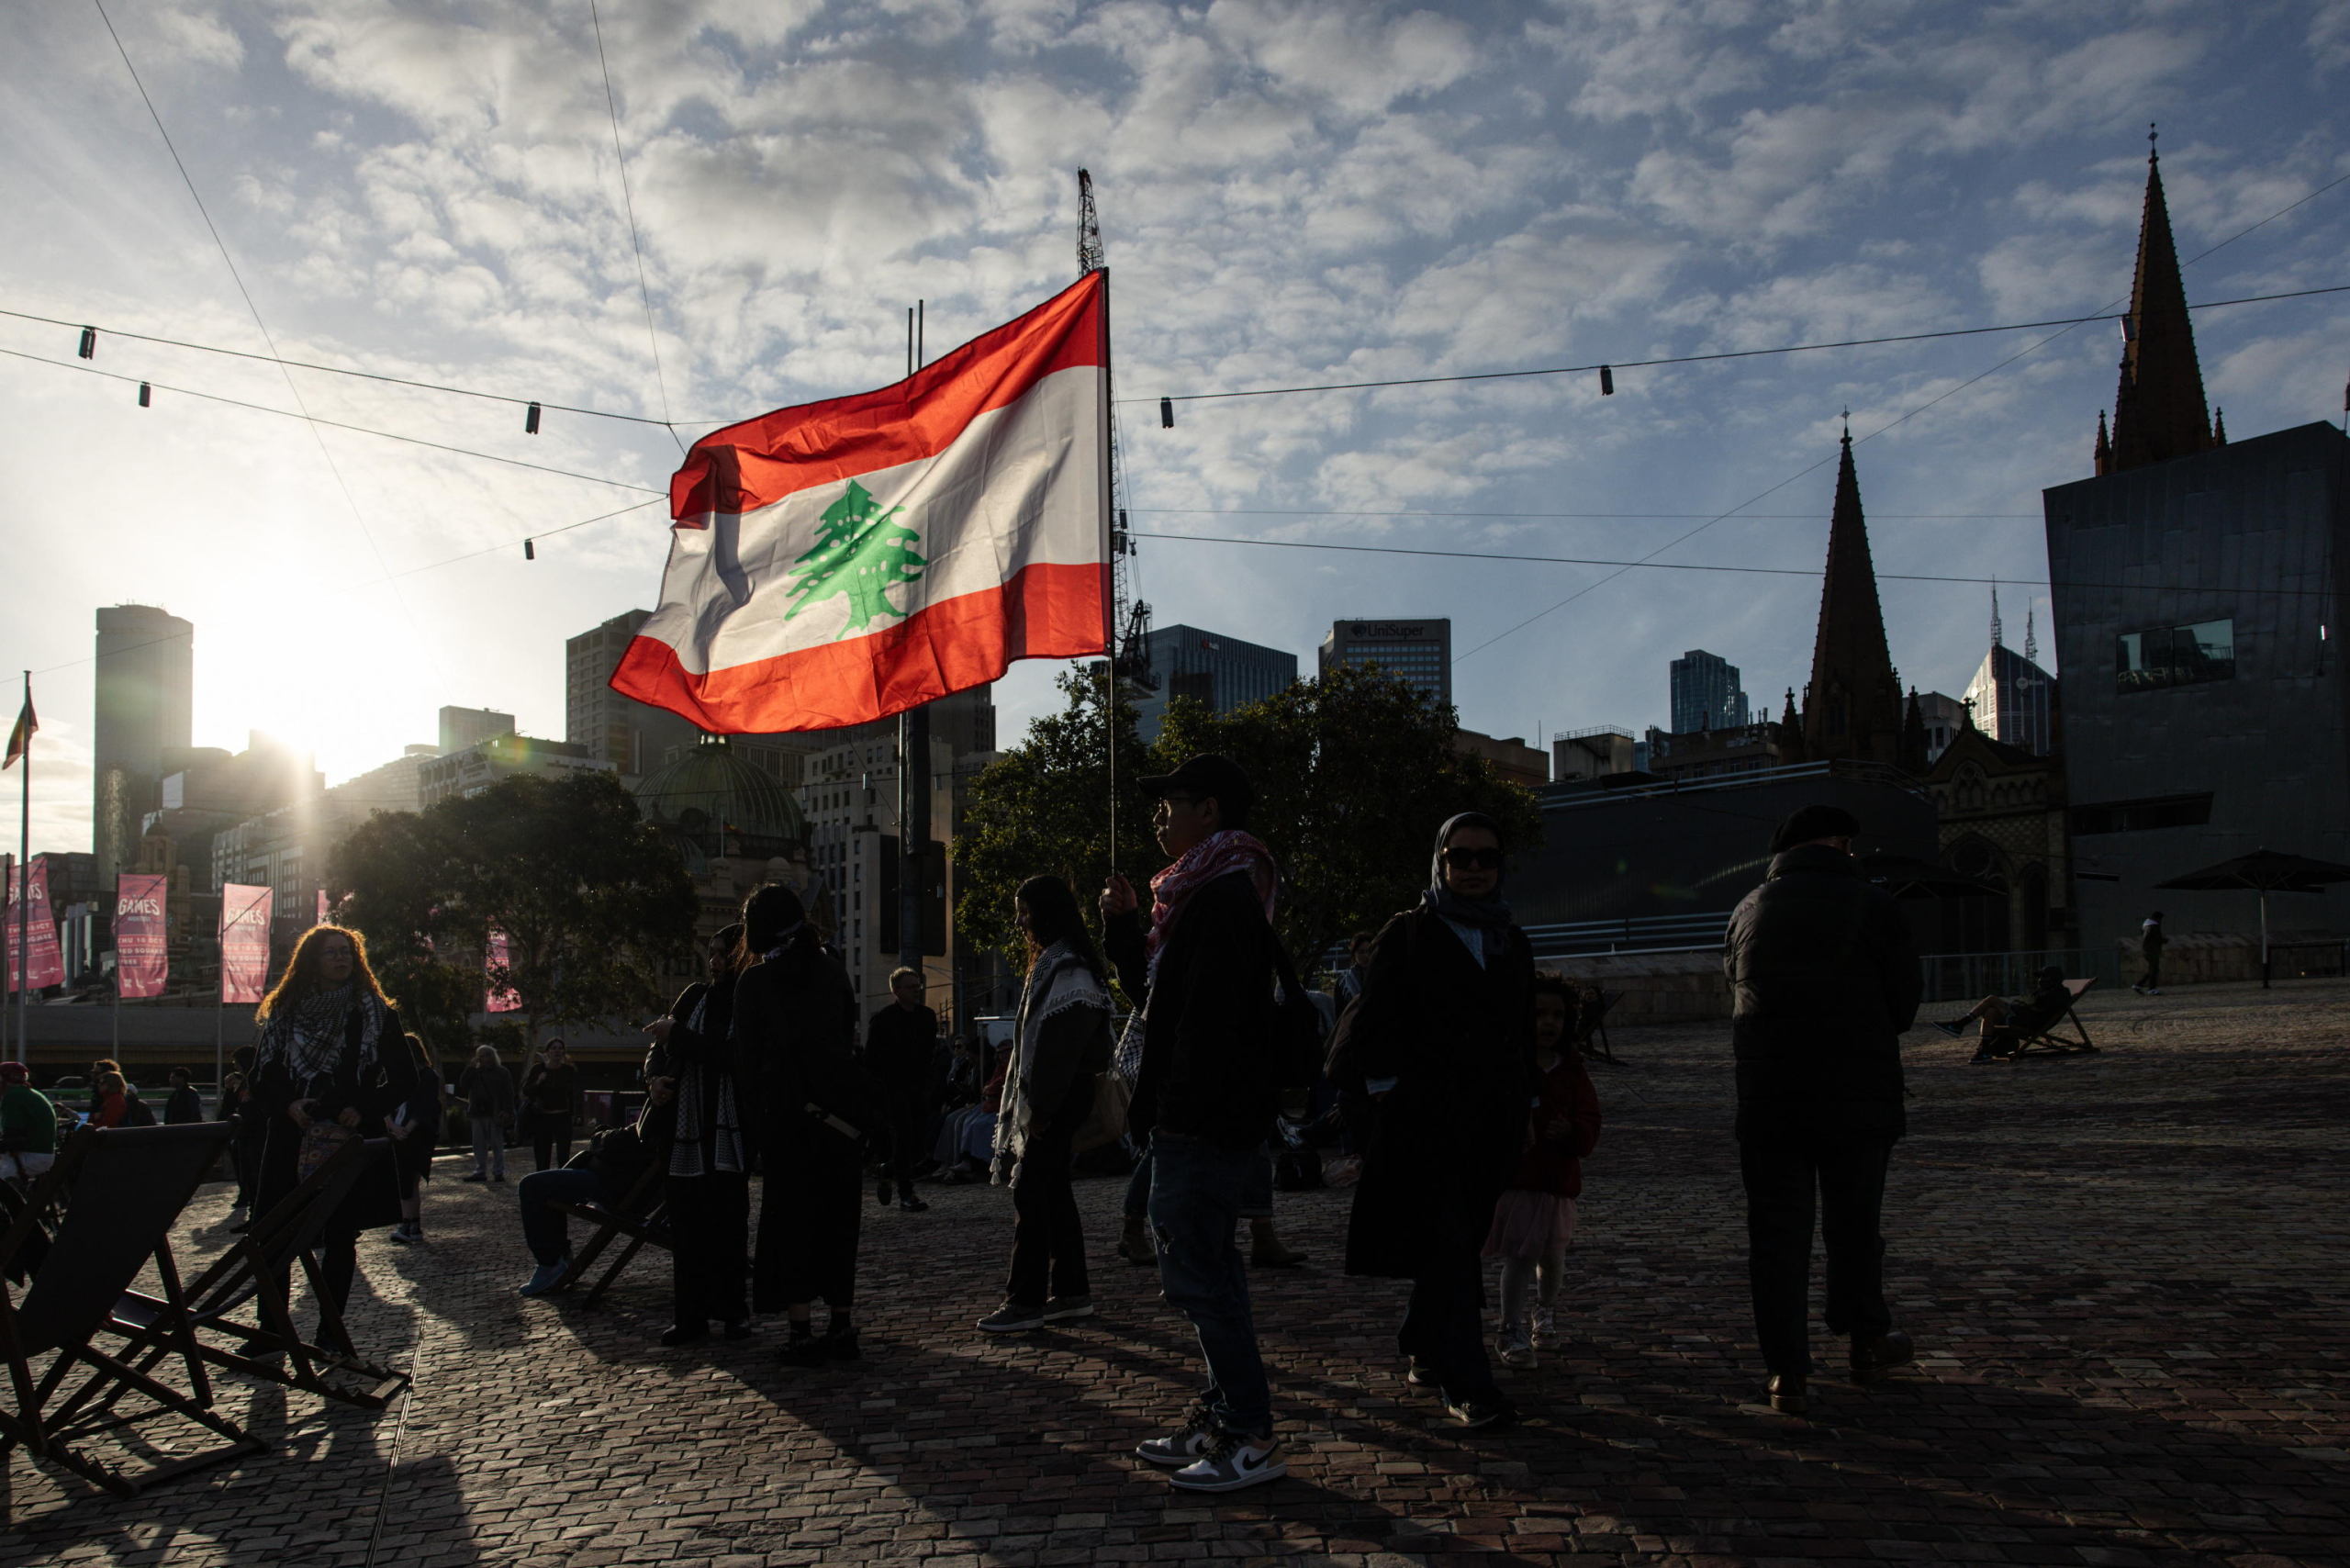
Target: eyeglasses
1473,860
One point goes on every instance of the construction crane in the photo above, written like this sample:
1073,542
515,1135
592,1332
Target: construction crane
1126,615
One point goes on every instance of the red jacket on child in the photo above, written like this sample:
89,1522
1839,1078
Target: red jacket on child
1566,1127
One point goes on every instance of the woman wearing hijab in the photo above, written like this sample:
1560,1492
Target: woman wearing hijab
794,1030
331,1056
1062,1044
709,1182
1443,1039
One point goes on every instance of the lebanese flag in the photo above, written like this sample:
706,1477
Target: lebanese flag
846,560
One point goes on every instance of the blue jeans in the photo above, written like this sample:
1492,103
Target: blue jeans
1138,1188
543,1231
1198,1192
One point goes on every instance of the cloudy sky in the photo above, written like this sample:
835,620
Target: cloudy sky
1290,192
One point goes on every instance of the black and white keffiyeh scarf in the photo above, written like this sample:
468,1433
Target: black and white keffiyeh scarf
715,1144
311,1037
1057,981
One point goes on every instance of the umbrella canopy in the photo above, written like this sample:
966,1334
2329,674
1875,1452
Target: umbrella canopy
2268,870
1908,879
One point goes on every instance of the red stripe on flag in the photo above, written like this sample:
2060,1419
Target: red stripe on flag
759,462
1047,612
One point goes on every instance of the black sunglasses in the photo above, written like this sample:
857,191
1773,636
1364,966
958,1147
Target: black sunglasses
1473,860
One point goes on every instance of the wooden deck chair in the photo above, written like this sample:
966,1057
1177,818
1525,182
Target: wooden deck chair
2066,1036
240,1313
651,1225
1591,1025
129,1185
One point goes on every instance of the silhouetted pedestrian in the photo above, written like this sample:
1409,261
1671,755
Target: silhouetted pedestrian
1823,980
1443,1040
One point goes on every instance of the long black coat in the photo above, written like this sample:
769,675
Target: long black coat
1458,1041
373,1093
1823,980
794,1035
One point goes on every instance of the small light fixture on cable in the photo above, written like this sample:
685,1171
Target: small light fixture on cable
1607,381
531,421
89,349
1167,413
530,550
146,395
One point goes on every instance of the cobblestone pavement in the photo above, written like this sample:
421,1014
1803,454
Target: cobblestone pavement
2125,1273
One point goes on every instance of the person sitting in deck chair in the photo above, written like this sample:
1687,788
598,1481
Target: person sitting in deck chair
2008,1021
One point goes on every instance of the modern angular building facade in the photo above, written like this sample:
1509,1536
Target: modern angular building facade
2198,586
1222,672
1706,694
1419,652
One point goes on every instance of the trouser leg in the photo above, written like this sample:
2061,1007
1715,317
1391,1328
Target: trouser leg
485,1140
1029,1279
1852,1205
1452,1324
1779,1178
544,1229
1195,1196
1138,1188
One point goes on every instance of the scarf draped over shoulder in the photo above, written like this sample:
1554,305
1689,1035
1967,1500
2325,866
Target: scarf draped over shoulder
311,1038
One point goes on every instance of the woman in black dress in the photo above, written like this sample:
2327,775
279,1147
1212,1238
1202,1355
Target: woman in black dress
795,1038
332,1062
1443,1039
690,1071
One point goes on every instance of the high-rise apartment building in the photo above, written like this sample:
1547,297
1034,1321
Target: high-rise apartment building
143,725
1221,672
634,737
1419,652
1706,694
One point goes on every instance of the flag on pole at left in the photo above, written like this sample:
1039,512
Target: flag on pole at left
20,739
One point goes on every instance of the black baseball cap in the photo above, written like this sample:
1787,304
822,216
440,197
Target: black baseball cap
1204,777
1811,823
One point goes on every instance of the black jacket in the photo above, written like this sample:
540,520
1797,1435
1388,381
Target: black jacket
1209,1021
794,1031
1824,979
374,1093
1458,1039
899,1048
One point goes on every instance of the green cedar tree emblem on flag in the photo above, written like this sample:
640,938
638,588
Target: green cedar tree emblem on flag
861,554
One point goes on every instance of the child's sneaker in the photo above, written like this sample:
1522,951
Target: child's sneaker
1546,1328
1515,1345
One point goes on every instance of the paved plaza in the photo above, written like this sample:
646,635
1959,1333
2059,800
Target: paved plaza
2126,1274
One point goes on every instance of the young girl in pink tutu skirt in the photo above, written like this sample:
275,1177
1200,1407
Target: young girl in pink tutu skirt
1536,1217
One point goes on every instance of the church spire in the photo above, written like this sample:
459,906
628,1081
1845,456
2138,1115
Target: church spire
1852,707
1996,639
2104,446
2158,408
2030,637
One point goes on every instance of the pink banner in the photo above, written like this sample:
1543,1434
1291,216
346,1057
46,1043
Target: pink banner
244,943
502,999
46,964
142,965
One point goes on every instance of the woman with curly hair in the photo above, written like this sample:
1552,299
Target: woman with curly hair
332,1063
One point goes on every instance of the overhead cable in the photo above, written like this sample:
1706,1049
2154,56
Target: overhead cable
644,290
334,425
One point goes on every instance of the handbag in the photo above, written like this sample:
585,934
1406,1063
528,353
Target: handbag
1106,1122
320,1139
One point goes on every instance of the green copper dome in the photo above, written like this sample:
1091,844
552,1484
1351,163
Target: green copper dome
717,804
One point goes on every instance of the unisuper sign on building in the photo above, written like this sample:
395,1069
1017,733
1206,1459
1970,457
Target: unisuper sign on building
1391,630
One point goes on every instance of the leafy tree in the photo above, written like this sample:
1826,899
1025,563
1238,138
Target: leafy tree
389,867
1043,806
1354,771
590,898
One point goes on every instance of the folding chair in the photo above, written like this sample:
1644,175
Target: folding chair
1591,1023
257,1273
129,1185
2066,1036
652,1226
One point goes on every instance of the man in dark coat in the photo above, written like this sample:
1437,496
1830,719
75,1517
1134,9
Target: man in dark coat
1206,1098
900,1042
1824,979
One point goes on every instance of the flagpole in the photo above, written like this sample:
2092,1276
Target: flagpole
913,773
25,887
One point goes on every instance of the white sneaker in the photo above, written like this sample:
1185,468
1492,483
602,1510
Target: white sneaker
1234,1462
1515,1345
1186,1443
1546,1327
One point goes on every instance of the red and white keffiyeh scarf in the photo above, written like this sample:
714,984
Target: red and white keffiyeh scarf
1217,854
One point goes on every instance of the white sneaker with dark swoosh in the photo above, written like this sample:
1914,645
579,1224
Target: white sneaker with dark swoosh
1233,1462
